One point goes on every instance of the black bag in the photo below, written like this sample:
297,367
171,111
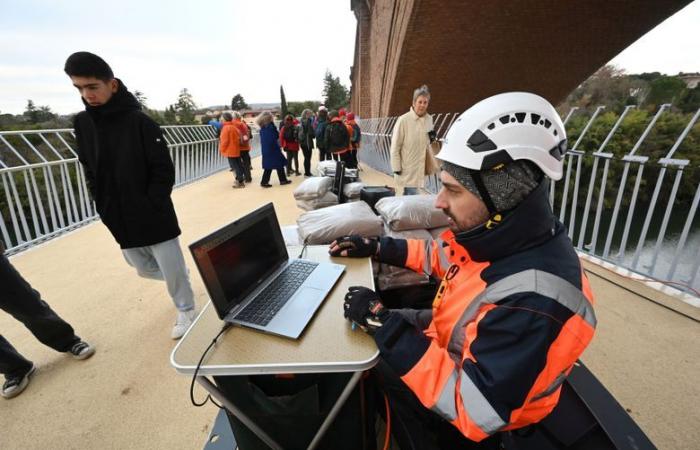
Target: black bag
337,136
372,194
290,133
291,410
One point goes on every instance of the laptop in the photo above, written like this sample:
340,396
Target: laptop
253,282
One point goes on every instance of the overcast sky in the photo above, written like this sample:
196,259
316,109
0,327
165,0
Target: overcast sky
219,49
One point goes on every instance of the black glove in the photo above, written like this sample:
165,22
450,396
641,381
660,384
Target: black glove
432,136
363,307
355,246
397,172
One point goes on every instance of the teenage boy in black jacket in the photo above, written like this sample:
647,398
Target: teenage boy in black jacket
130,176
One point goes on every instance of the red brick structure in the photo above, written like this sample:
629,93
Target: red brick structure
467,50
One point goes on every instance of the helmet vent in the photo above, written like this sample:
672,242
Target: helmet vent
534,118
504,119
491,126
520,116
479,142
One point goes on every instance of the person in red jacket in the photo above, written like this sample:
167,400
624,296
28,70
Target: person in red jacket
245,138
514,310
355,136
230,147
289,141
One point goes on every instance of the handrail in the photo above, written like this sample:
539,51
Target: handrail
43,191
658,252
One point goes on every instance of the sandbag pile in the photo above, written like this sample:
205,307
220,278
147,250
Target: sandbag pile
314,193
408,217
352,191
322,226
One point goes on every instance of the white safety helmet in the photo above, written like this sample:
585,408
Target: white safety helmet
504,128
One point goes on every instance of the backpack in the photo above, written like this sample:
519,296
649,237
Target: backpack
337,135
291,133
356,133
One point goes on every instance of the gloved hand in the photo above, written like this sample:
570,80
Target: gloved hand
397,172
354,246
363,307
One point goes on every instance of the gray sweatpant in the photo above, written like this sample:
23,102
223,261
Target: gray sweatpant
164,261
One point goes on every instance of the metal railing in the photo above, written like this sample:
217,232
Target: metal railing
43,191
656,240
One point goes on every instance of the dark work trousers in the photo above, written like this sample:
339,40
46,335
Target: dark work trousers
413,425
324,155
292,157
268,172
237,167
247,166
18,299
355,162
306,150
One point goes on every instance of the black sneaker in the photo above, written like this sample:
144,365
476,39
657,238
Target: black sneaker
81,350
15,385
282,183
266,185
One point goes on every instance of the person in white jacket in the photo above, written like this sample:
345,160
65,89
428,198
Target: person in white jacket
409,143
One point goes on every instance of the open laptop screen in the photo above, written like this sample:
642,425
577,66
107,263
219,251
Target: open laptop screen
236,259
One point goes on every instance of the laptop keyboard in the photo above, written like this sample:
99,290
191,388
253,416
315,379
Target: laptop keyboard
264,307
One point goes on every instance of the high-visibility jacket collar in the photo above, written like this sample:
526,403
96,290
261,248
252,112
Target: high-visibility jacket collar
528,225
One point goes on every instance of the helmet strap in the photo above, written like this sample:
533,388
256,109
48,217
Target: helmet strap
494,216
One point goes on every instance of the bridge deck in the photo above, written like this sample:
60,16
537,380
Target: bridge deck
128,396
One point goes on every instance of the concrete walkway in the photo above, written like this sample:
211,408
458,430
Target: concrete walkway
128,396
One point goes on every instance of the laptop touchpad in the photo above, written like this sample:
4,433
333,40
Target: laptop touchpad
306,300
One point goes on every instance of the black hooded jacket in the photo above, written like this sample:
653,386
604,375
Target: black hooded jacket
128,169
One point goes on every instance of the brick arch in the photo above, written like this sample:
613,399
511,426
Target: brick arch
467,50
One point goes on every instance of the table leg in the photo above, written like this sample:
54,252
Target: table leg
336,409
218,395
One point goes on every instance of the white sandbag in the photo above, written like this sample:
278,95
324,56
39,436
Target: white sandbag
436,232
410,212
326,168
313,188
393,277
322,226
328,199
352,190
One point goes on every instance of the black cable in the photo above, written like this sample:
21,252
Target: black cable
303,249
226,326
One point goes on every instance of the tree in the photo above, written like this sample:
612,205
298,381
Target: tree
664,89
335,95
238,103
185,107
141,98
169,116
296,108
31,112
283,103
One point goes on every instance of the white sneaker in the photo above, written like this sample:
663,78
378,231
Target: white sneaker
182,323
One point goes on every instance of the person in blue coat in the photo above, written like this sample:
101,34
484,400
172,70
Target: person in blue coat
272,157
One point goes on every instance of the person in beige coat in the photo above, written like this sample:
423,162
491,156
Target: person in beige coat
409,143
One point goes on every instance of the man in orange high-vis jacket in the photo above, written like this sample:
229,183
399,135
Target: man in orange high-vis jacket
514,310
